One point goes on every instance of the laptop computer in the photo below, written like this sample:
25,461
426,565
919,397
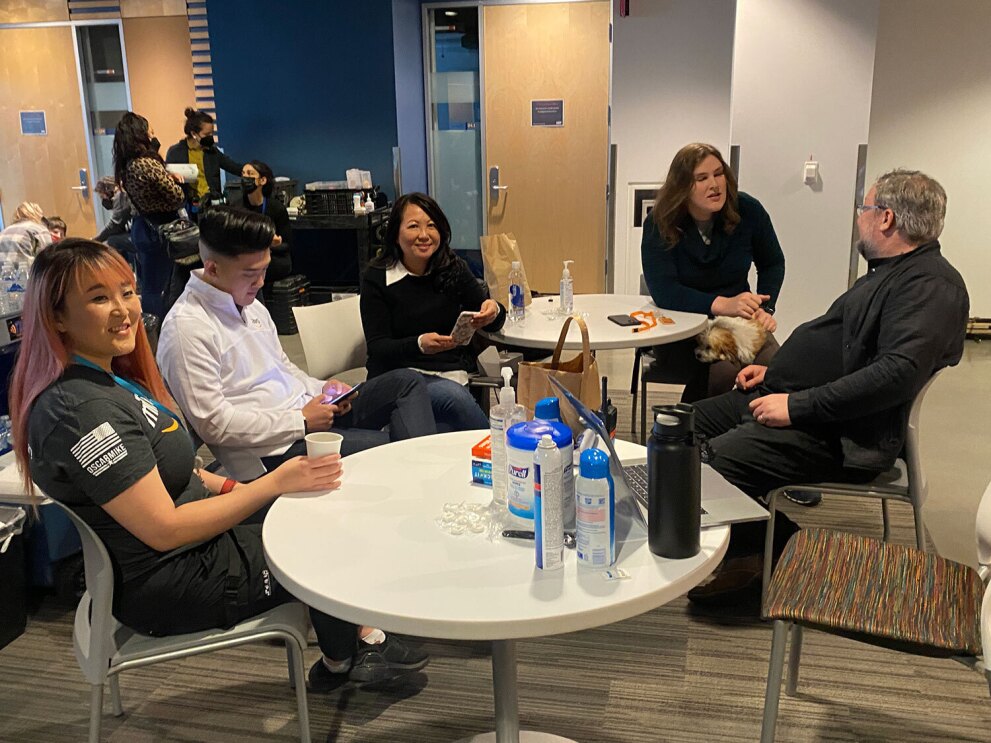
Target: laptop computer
722,503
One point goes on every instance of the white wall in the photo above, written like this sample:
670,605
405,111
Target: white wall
672,62
802,75
932,112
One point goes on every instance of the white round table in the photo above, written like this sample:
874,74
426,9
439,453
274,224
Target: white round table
540,327
371,553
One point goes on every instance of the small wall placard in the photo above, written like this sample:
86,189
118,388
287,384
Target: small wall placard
33,123
547,113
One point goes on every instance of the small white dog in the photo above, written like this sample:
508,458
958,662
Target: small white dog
731,339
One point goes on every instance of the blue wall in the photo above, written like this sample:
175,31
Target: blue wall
308,87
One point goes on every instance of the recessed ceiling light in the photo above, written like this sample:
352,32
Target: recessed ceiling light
450,12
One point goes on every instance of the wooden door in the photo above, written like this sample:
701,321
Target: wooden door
38,73
555,202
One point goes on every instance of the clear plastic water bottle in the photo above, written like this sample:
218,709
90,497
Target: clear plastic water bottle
17,288
7,279
516,309
6,434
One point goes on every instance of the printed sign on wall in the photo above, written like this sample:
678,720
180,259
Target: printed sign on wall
33,123
547,113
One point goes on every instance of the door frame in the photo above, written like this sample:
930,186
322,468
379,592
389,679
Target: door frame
98,214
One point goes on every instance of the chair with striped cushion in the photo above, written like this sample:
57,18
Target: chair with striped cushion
884,594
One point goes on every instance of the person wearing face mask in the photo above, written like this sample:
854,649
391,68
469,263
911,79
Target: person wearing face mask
156,196
117,232
257,187
698,245
200,149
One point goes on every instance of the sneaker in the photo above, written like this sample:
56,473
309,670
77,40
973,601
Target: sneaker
388,660
321,680
803,497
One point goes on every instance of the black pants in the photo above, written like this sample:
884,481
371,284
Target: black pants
218,584
398,399
758,459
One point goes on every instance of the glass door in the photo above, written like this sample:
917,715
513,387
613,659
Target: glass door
454,152
106,95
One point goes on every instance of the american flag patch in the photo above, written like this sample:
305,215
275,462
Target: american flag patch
98,450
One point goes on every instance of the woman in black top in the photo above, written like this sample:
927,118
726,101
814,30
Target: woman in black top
200,149
698,246
411,297
96,429
257,186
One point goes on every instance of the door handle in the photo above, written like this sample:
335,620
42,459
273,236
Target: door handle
83,186
494,187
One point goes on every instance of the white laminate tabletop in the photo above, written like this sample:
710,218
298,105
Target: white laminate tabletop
371,553
541,327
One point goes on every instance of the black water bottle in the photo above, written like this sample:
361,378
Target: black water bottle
674,483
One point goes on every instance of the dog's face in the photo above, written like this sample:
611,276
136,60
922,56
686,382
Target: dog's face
716,343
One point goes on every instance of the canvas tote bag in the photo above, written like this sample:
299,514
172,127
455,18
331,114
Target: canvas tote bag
498,253
580,376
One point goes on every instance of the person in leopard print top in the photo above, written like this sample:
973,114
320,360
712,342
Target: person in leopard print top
156,196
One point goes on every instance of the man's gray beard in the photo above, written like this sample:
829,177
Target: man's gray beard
866,249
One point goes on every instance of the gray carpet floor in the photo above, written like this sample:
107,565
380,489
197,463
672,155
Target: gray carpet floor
672,674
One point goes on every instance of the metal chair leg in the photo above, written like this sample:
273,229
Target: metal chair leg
633,389
885,521
95,712
794,658
298,682
772,499
920,529
775,669
115,695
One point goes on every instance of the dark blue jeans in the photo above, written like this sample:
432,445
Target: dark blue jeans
154,264
455,409
398,399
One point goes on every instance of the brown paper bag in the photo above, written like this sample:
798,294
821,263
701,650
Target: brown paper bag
498,253
580,376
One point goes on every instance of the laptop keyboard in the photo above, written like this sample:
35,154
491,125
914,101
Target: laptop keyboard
637,476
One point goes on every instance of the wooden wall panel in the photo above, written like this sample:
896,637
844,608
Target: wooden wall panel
161,73
33,11
152,8
42,169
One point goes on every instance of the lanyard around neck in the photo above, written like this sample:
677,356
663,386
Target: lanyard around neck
130,387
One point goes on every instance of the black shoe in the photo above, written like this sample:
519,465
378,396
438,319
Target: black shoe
321,680
803,497
374,664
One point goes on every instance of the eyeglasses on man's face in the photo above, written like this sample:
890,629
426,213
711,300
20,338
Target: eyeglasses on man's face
861,208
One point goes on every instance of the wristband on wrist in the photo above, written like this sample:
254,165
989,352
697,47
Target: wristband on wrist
228,486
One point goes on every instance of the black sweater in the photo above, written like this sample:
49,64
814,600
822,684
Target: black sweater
395,316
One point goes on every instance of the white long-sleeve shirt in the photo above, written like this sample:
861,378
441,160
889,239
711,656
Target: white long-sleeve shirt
234,383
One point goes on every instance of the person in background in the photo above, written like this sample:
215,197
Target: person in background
833,404
221,356
257,187
699,243
97,430
156,196
199,148
25,236
57,226
411,296
117,232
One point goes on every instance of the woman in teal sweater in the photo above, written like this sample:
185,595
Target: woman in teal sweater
698,245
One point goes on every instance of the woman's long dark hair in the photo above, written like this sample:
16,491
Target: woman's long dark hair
671,203
131,140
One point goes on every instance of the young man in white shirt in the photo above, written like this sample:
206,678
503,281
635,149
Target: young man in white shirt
220,355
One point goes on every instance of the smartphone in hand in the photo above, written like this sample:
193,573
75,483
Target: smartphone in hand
463,330
344,395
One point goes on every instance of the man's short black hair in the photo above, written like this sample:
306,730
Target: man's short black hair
233,232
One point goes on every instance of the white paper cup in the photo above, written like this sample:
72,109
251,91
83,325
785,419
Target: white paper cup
323,443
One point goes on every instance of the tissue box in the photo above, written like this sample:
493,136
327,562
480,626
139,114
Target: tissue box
481,462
